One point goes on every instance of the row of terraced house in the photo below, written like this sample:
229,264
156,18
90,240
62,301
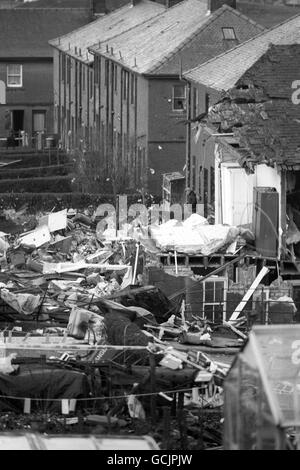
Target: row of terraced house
196,88
120,98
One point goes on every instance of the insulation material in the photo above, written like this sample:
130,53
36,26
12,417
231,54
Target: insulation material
193,238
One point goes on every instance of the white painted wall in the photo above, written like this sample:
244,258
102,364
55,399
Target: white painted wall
234,190
237,195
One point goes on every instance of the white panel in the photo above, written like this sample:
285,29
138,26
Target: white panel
267,177
2,92
237,195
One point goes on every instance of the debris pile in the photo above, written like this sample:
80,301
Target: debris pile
73,304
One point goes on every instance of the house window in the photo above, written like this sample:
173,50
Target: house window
68,71
106,77
214,299
91,83
195,102
116,78
179,98
63,67
83,78
125,84
207,104
96,72
229,33
132,88
14,75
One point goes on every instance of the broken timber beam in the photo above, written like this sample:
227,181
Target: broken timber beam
249,293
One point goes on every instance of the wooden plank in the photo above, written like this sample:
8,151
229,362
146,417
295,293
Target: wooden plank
249,293
283,210
153,388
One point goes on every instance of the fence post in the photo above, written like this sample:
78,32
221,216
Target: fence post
153,388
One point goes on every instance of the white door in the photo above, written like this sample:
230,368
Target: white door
38,121
237,196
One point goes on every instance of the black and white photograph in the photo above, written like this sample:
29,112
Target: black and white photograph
150,228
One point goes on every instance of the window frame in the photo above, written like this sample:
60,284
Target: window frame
195,98
132,88
106,72
91,83
125,83
179,110
14,75
68,70
63,67
84,77
116,79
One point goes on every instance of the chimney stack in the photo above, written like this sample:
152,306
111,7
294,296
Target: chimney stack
213,5
98,7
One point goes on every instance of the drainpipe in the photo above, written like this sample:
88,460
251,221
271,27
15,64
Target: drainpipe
282,214
188,137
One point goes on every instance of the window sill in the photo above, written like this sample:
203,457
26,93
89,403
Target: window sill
178,114
15,88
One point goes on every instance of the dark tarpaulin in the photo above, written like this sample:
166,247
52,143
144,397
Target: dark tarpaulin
41,381
150,298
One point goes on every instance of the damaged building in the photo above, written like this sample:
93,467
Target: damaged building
243,158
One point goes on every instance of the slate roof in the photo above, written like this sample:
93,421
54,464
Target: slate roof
184,30
25,33
223,72
105,27
56,4
266,14
263,117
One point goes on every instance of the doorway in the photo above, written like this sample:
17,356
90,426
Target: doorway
38,121
18,120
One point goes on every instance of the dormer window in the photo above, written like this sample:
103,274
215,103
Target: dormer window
229,34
